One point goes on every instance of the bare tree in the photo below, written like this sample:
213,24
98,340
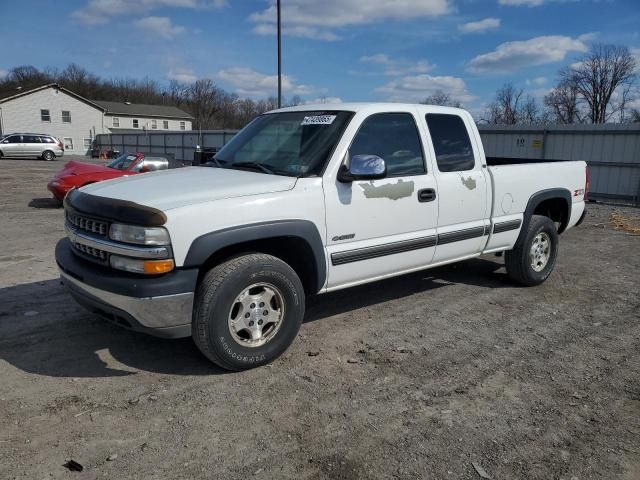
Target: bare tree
441,98
296,100
563,102
204,101
210,106
178,93
505,109
529,112
605,72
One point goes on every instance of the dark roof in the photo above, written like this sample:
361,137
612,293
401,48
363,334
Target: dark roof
121,108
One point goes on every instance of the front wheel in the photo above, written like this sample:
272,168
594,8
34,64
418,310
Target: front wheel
247,312
48,156
533,258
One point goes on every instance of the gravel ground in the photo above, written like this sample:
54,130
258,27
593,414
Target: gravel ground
421,376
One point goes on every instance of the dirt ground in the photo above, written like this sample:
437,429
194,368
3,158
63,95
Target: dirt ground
421,376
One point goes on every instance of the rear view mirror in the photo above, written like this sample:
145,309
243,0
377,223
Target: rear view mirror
363,167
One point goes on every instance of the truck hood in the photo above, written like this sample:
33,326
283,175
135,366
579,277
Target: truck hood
169,189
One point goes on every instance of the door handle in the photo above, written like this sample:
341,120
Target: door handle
426,195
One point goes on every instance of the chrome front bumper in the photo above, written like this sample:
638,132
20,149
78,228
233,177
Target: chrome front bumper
166,316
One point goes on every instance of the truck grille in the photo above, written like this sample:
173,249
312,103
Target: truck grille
91,253
88,224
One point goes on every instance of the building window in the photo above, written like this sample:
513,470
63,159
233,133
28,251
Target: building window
154,124
68,143
182,126
86,143
165,124
66,116
136,123
45,116
116,122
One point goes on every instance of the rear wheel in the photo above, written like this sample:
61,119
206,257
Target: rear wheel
48,155
248,310
533,258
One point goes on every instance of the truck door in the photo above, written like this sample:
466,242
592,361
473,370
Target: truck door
377,228
463,224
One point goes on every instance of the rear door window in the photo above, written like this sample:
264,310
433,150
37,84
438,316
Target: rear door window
451,142
30,139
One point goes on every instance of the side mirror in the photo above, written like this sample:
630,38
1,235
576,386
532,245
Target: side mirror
363,167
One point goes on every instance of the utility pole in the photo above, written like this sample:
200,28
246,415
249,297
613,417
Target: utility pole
279,58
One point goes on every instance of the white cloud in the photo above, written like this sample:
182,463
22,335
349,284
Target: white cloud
317,19
301,31
182,75
415,88
159,26
397,67
98,12
249,83
480,26
3,73
512,56
519,3
537,82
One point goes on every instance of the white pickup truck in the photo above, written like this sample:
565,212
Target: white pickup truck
307,200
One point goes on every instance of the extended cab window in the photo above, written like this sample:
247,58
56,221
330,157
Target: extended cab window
450,142
393,137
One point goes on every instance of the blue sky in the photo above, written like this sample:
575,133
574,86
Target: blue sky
353,50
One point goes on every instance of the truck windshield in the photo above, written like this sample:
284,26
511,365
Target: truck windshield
290,143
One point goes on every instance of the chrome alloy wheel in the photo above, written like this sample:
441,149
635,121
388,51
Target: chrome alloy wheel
256,315
540,251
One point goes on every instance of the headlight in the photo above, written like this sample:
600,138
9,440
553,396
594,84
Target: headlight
149,267
139,235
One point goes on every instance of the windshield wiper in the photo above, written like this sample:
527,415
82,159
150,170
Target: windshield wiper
254,166
216,163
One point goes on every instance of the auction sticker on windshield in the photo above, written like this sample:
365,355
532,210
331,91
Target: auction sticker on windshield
318,120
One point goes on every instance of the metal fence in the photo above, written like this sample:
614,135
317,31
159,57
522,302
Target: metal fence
181,145
611,151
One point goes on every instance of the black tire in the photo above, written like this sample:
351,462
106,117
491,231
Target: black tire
216,295
518,261
48,155
1,154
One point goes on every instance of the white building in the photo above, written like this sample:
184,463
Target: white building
54,110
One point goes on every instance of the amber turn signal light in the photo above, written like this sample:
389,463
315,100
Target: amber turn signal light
154,267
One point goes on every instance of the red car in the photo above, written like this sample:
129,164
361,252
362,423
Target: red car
78,174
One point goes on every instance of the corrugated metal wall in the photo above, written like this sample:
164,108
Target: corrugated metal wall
180,144
612,152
